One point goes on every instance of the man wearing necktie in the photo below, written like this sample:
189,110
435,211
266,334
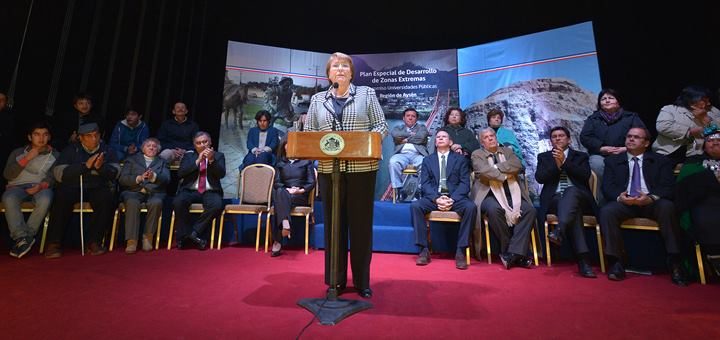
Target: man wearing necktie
445,183
200,173
642,183
498,193
565,173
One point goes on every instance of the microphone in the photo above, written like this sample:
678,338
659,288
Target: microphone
335,85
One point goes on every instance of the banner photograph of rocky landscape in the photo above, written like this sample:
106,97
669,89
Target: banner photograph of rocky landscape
539,81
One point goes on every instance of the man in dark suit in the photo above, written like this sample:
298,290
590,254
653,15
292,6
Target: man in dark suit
446,190
200,173
639,193
564,174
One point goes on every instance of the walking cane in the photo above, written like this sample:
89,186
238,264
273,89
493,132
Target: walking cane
82,229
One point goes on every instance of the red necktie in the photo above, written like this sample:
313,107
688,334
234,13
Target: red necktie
202,179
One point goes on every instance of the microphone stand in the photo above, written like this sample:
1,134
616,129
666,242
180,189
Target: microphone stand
331,310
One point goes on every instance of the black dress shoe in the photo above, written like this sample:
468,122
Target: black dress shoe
365,293
678,275
506,259
460,262
276,253
585,270
524,261
617,272
199,242
423,258
555,237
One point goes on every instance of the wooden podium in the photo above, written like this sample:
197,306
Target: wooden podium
335,146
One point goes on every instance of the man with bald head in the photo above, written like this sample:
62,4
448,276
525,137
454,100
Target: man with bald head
641,183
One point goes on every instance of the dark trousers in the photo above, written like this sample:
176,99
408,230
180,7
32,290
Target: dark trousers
513,240
102,200
212,205
357,192
284,202
613,213
569,208
463,207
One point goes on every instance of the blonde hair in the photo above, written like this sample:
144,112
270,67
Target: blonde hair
342,57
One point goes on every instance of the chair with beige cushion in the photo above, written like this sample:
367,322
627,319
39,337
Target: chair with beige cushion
254,192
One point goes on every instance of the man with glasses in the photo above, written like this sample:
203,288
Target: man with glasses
641,182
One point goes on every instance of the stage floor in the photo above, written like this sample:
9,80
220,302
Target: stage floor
238,293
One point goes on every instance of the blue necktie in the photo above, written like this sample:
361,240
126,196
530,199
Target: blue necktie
635,180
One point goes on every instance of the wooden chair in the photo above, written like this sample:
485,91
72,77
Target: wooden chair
589,221
533,241
195,208
85,208
29,207
444,216
406,173
300,211
701,267
115,229
254,191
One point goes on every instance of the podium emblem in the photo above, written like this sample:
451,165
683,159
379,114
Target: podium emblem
332,144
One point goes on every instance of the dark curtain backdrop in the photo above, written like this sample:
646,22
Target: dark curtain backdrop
151,53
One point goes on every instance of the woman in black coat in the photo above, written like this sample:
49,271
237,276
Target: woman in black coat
294,179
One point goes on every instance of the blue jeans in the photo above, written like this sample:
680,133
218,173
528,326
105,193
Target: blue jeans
398,162
13,198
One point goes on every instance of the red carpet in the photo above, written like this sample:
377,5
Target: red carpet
237,293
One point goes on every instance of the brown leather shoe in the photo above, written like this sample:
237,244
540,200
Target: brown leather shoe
131,247
53,251
96,249
147,242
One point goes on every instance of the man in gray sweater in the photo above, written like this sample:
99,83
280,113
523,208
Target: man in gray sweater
27,171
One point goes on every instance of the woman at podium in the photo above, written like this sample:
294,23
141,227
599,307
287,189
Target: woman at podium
346,107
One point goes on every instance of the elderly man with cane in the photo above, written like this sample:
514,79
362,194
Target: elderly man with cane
86,170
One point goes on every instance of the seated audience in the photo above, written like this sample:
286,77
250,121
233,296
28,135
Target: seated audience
262,141
699,189
144,178
200,172
464,139
29,179
505,137
641,181
680,125
176,134
603,133
92,162
294,179
410,140
128,134
445,183
565,175
66,127
499,194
